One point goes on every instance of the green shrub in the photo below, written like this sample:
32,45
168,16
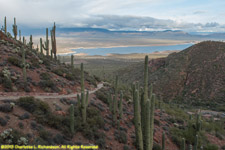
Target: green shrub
121,136
45,76
15,61
102,95
156,146
35,63
7,83
94,122
46,83
34,106
211,147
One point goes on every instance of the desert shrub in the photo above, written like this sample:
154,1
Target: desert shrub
102,95
7,83
157,122
94,123
126,147
211,147
3,122
46,135
46,82
33,105
100,142
42,113
156,146
121,136
46,61
15,61
45,76
54,121
6,108
59,71
24,116
13,137
223,147
20,124
91,79
35,63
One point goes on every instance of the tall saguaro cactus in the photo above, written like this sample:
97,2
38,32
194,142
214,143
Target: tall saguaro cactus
53,40
183,144
145,97
15,29
72,118
137,121
116,92
196,143
24,66
24,41
144,118
163,141
121,105
152,109
5,25
84,98
72,62
41,46
148,126
20,36
198,122
114,111
31,42
46,44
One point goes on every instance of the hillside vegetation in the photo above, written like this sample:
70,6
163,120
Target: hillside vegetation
194,76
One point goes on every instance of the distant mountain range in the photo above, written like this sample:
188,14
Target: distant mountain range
167,34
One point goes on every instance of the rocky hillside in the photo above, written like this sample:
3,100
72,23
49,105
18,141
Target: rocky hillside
85,119
195,75
43,73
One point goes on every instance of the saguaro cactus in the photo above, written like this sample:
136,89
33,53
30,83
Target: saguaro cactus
20,36
53,40
5,26
15,28
78,100
163,141
24,41
72,62
143,109
46,45
31,42
84,102
196,143
116,92
72,118
121,105
51,54
41,46
114,110
24,66
198,122
137,121
183,144
148,126
152,110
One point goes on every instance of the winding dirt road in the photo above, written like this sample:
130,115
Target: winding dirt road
55,95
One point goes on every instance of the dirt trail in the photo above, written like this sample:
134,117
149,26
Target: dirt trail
48,96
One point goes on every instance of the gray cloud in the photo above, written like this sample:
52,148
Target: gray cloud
114,22
98,13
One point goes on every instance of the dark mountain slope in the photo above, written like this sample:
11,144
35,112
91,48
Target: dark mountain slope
196,74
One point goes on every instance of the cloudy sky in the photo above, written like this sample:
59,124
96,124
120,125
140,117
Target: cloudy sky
187,15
